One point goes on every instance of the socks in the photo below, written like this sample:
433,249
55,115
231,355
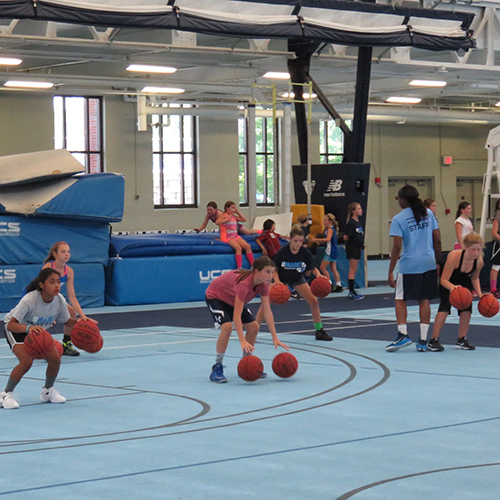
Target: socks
11,385
493,285
219,356
66,338
49,382
403,329
318,326
250,258
351,285
239,261
424,329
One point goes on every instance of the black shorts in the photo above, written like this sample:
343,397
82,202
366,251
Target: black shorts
223,312
14,338
417,287
352,252
444,305
495,254
299,280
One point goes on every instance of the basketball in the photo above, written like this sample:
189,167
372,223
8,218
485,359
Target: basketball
38,344
86,335
488,305
461,298
321,287
285,365
279,293
250,368
59,347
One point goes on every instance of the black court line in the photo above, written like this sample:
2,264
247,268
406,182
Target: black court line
384,378
274,453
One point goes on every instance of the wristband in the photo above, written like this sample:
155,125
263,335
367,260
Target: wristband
28,329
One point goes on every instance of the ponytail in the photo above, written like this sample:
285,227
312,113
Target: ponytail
410,194
42,277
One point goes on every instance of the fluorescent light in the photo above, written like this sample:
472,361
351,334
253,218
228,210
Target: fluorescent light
305,95
10,61
277,74
498,104
147,68
162,90
403,100
428,83
29,85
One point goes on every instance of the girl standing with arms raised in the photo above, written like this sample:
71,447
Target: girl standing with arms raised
355,240
57,259
331,250
416,233
227,297
40,308
228,223
294,263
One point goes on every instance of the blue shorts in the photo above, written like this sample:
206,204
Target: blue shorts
329,259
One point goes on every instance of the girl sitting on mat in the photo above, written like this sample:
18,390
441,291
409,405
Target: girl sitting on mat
462,268
294,263
39,309
228,223
227,297
58,259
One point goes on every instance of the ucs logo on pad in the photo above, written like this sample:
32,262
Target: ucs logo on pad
211,275
7,275
10,229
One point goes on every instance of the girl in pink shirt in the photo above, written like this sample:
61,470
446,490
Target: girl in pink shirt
227,297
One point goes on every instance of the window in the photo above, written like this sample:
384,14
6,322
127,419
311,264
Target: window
331,142
264,149
174,161
78,129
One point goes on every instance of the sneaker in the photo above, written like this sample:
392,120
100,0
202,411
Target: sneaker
421,346
217,374
400,341
337,289
463,343
294,294
496,293
355,296
264,375
52,395
8,400
69,349
434,345
322,335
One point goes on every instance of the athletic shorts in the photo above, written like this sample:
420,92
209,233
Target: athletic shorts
329,259
14,338
223,312
417,287
495,254
299,280
444,305
353,252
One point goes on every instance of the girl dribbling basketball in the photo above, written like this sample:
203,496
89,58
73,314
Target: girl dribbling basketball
39,309
227,297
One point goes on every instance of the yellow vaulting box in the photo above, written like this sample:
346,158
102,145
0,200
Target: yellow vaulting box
317,212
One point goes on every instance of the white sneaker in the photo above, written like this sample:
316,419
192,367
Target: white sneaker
52,396
8,400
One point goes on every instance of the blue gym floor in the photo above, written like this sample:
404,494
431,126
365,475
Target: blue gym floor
142,419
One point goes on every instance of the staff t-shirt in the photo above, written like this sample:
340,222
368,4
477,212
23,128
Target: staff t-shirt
418,247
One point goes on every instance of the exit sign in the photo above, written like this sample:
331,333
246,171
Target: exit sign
447,160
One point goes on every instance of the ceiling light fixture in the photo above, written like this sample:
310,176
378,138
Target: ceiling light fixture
428,83
162,90
147,68
291,95
29,85
10,61
403,100
279,75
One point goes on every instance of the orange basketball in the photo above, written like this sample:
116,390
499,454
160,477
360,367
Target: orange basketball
86,335
488,305
321,287
59,347
285,364
279,293
461,298
38,344
250,368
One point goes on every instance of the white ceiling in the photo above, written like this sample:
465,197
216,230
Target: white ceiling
84,60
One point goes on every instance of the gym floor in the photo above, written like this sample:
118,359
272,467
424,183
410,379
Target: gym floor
142,419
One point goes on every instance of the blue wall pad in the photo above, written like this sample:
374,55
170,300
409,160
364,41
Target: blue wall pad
148,245
89,284
27,240
96,197
182,278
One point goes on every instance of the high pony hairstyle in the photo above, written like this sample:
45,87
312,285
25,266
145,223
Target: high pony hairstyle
461,206
350,209
42,277
410,194
53,250
258,265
